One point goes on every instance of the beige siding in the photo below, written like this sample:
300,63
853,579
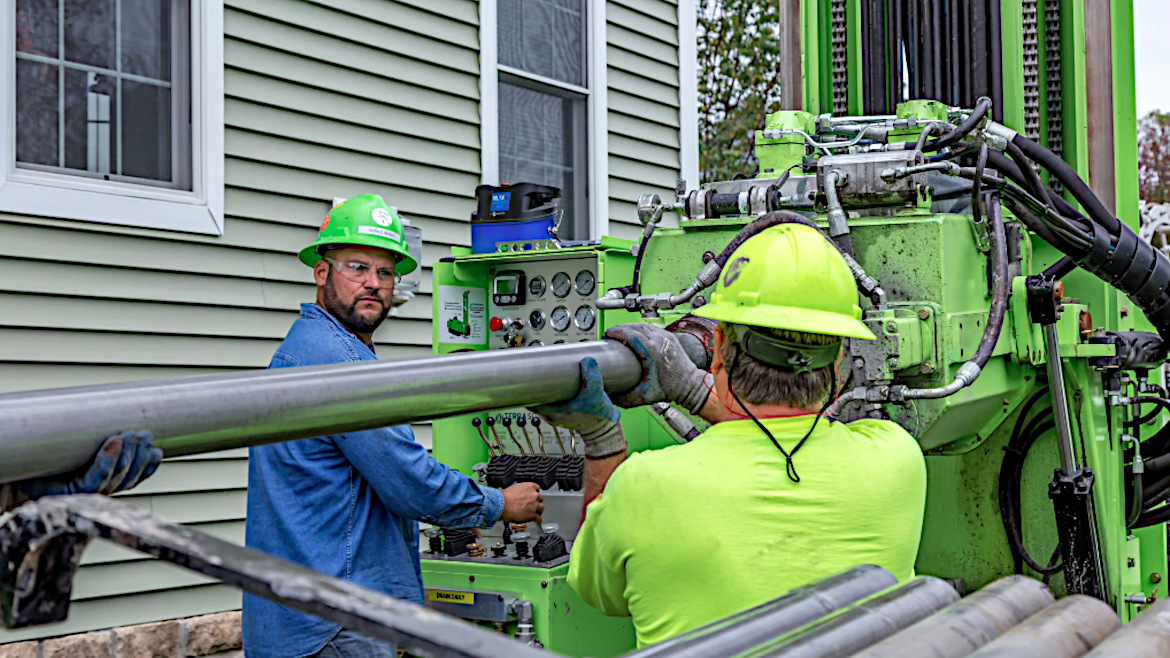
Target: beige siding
643,92
324,98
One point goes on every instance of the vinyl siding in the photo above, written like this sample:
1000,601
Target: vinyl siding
323,98
643,98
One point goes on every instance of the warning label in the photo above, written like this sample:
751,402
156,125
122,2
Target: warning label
462,598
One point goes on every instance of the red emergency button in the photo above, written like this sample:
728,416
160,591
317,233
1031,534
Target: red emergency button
495,324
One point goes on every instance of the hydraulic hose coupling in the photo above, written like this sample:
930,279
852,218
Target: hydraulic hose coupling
611,300
966,375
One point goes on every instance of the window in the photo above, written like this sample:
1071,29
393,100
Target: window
543,94
114,112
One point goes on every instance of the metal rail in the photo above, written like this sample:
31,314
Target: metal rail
40,552
57,430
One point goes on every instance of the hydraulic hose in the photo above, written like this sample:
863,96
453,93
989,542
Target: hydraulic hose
1031,178
1060,268
1024,435
977,185
1071,181
982,107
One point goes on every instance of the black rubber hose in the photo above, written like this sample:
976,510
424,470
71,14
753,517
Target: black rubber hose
1010,471
1000,285
924,135
1012,172
1034,223
1136,500
1060,268
1071,181
1156,492
1138,422
1034,184
977,185
1034,430
1152,517
982,107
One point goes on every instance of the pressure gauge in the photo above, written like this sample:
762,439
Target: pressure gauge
585,283
585,318
536,343
536,320
560,317
537,286
561,284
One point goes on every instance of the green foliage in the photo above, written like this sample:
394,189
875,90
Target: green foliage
1154,157
739,81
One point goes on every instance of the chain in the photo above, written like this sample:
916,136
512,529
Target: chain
839,57
1031,70
1054,88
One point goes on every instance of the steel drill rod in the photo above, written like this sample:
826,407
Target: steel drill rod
870,621
963,627
54,431
1145,636
1068,628
741,632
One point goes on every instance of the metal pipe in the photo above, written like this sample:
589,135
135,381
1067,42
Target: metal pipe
877,618
1145,636
742,631
1068,628
1064,440
965,626
57,430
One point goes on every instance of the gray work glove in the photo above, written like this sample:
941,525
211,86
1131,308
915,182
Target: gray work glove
668,375
589,413
124,460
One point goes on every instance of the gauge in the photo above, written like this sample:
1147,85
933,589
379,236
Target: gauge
558,342
585,283
536,343
537,286
584,318
560,318
536,320
561,284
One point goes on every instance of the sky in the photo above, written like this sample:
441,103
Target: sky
1151,19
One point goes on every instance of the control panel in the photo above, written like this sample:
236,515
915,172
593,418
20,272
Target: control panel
543,302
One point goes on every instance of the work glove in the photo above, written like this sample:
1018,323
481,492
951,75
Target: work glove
668,375
124,460
590,413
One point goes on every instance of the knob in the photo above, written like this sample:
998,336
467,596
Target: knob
491,420
495,324
506,421
536,423
520,422
475,422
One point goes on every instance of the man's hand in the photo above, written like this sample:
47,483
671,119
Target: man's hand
123,461
667,373
522,503
590,413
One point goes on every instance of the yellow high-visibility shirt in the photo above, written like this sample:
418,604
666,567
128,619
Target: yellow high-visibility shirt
688,534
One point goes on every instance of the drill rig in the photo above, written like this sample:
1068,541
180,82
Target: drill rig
1021,329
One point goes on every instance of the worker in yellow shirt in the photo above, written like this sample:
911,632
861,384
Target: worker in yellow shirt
774,495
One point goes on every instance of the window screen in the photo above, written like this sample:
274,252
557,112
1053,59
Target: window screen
543,37
103,89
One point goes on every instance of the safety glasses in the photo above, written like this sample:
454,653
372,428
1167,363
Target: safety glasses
359,272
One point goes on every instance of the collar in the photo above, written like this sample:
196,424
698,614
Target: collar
311,311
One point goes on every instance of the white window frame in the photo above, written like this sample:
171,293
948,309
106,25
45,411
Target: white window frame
688,91
596,107
65,196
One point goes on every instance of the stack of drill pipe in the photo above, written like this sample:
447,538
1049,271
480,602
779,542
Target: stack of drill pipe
55,431
965,626
1145,636
748,629
861,625
1069,628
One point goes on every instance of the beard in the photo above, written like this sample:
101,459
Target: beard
348,313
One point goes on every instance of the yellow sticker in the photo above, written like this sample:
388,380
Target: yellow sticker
462,598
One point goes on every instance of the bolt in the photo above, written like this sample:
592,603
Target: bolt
700,300
858,363
1124,312
1130,562
923,314
708,256
892,361
1006,402
544,583
892,327
471,579
1155,577
926,368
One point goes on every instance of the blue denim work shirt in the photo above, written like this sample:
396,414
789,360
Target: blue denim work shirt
345,505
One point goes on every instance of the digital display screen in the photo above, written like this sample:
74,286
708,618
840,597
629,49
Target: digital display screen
507,285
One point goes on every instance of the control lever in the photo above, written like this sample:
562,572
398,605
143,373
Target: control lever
508,426
491,423
475,422
523,425
557,433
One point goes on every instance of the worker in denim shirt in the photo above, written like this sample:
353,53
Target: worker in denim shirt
348,505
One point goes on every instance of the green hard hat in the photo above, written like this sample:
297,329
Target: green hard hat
788,277
363,221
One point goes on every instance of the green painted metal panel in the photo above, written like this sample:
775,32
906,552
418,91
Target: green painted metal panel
1125,155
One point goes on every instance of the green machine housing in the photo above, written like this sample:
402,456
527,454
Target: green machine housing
530,296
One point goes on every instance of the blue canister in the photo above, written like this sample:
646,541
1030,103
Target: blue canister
513,213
